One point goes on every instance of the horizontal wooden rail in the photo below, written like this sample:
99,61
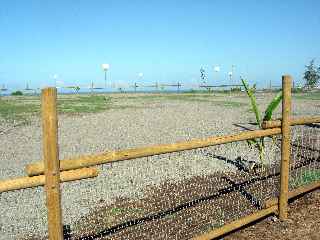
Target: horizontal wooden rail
113,156
294,193
28,182
295,121
237,224
271,206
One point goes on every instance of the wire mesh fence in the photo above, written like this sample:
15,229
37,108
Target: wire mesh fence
172,196
305,155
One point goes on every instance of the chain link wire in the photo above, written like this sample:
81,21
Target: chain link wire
305,155
172,196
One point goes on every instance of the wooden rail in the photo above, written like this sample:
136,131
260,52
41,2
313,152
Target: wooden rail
294,193
129,154
295,121
271,206
237,224
29,182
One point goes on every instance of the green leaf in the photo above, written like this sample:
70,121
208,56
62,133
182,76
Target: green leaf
253,101
272,106
252,142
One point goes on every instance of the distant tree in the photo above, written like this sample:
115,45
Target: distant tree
17,93
311,75
203,75
77,89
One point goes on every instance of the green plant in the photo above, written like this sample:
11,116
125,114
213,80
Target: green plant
313,96
297,90
259,143
236,89
306,178
84,104
17,93
76,89
17,110
311,75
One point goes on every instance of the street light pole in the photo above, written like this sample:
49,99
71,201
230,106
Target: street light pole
105,67
105,79
230,77
216,69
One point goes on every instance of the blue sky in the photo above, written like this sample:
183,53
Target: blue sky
166,40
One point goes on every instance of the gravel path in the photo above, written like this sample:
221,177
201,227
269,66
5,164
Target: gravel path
158,122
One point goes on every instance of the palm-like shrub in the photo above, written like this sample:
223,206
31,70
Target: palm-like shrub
258,143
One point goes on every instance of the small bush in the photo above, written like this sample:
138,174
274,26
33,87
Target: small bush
236,89
306,178
297,90
17,93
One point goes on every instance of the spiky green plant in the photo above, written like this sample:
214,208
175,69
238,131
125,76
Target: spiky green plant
258,143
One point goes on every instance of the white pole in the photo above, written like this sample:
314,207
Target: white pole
105,68
216,69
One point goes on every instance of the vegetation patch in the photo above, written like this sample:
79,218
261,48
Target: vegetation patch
17,110
306,178
308,96
84,104
22,108
17,93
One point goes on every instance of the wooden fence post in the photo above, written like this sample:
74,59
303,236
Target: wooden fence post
51,162
285,147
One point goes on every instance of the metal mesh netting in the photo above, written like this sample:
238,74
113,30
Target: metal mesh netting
23,214
305,155
172,196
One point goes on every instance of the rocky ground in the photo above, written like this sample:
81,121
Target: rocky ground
141,122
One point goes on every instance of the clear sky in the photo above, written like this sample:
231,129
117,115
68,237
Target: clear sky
166,40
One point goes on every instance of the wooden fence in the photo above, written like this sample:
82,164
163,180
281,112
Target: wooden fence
51,171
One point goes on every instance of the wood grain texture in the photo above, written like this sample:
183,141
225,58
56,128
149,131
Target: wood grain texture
236,224
51,162
294,193
293,122
129,154
285,147
29,182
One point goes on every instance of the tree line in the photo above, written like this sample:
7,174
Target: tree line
311,75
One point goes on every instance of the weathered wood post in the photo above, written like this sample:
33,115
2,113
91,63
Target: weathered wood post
51,162
285,147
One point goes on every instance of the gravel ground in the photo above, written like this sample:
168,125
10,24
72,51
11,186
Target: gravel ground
154,122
